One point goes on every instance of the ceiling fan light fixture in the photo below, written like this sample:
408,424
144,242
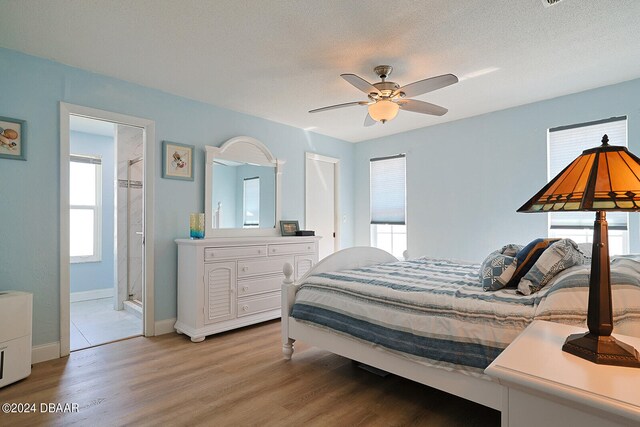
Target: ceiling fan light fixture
383,111
386,98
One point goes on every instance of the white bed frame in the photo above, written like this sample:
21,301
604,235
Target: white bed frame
476,389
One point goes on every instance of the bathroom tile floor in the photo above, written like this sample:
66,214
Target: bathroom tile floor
95,322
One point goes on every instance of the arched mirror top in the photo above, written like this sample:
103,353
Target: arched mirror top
242,189
243,149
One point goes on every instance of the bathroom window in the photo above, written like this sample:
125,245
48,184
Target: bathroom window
85,205
251,202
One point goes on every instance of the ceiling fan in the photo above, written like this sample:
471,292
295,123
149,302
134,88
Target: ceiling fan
386,98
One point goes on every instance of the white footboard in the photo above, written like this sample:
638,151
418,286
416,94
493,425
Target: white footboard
356,257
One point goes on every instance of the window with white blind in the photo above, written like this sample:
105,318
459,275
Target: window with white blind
251,211
388,204
85,205
565,143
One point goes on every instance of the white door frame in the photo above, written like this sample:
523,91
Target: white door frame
336,193
148,126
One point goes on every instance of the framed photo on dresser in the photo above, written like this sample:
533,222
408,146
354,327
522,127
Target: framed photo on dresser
289,228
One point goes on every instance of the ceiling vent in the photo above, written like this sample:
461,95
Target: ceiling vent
548,3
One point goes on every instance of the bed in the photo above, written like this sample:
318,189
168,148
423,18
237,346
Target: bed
429,319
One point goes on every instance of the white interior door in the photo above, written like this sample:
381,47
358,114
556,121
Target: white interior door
321,201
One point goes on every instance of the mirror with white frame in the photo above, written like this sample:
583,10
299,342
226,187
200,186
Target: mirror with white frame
242,189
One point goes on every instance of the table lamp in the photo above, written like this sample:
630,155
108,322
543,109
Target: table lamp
601,179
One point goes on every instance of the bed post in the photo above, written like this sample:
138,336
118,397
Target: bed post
504,412
288,295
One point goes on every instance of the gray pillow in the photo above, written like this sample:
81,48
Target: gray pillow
492,271
586,249
559,256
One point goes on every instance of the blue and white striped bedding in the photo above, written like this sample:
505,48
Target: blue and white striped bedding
435,311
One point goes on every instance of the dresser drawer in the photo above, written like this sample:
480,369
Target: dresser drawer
259,285
257,266
211,254
291,248
252,305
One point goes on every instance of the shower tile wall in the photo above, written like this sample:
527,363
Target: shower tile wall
130,213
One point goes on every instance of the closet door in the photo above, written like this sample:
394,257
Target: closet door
219,289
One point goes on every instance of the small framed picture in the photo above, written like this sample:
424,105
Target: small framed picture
12,138
177,160
289,228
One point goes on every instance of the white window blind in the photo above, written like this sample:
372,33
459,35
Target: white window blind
251,202
568,142
388,190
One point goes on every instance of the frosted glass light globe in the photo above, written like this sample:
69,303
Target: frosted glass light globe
383,111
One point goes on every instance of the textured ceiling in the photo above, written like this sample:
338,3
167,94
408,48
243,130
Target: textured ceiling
278,59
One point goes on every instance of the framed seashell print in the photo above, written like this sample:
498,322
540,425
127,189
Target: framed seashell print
177,160
12,138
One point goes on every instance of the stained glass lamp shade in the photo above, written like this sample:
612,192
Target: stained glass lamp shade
605,178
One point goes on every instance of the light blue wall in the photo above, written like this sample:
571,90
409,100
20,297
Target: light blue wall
465,179
31,89
88,276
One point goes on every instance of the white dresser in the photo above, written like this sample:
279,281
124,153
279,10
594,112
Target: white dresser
227,283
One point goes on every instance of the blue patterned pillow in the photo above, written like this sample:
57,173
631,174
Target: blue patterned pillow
492,271
525,258
559,256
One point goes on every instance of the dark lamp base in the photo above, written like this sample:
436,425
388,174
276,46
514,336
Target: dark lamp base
604,350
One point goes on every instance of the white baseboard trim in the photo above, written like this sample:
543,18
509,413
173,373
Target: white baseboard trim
44,352
165,326
89,295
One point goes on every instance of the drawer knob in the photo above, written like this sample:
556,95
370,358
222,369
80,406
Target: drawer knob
245,268
273,249
259,251
245,307
245,288
308,247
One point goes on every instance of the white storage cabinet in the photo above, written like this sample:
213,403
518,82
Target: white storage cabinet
15,336
227,283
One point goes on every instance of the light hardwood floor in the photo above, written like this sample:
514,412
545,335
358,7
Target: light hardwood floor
232,379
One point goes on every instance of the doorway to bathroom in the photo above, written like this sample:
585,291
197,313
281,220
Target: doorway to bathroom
107,276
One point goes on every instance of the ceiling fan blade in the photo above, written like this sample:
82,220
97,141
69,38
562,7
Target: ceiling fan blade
331,107
422,107
368,121
360,83
427,85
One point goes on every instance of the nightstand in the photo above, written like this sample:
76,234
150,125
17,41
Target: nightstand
548,387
